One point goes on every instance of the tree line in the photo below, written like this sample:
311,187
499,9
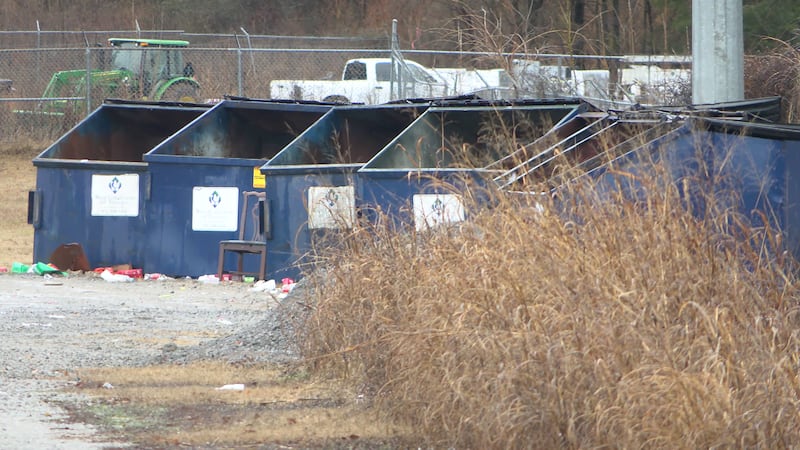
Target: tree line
565,26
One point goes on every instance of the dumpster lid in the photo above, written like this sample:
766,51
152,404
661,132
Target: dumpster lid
750,129
120,101
282,101
470,100
767,109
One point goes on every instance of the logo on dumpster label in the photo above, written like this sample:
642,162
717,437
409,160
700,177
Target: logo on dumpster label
115,185
331,198
331,207
115,195
214,199
432,210
215,208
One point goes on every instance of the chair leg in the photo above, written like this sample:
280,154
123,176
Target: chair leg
262,270
240,262
220,262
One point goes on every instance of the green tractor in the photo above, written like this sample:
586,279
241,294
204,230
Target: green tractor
137,69
154,69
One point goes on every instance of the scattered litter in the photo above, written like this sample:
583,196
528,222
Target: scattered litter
224,321
248,279
55,316
288,285
41,268
157,276
208,279
35,324
231,387
108,385
262,286
133,273
115,278
19,267
122,269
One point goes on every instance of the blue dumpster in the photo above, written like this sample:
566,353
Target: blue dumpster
748,166
200,175
92,185
311,183
420,178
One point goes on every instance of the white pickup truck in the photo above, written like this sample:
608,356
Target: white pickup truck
366,80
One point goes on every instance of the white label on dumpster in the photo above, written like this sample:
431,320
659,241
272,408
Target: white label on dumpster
331,207
215,208
431,210
115,195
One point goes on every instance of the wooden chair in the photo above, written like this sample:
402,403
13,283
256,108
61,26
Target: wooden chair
256,244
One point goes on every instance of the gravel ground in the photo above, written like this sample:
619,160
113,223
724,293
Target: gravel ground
51,326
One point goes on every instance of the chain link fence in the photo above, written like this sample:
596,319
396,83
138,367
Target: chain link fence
43,91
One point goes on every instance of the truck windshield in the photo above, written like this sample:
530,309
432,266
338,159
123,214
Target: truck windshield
411,72
383,71
418,74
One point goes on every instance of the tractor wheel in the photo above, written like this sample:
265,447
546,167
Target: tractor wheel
181,92
340,99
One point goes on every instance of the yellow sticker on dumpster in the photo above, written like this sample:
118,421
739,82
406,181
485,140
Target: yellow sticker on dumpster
259,179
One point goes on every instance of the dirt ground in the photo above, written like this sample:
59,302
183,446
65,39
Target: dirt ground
72,352
17,177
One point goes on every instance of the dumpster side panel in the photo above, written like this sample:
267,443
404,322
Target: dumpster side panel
67,214
717,171
749,172
292,241
184,236
389,195
791,153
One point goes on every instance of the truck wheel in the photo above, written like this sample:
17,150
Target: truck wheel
180,92
340,99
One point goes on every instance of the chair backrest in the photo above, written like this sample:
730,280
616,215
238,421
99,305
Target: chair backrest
250,210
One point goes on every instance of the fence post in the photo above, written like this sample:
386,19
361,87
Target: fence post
239,74
38,54
250,50
88,80
394,79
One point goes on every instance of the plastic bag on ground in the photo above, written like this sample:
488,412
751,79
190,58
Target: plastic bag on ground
264,286
115,278
208,279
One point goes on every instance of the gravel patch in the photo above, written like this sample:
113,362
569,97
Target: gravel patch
51,327
272,339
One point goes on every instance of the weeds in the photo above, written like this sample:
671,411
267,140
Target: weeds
591,319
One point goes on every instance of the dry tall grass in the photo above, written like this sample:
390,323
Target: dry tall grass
634,326
776,73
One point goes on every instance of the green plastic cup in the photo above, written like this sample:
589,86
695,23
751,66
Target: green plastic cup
19,268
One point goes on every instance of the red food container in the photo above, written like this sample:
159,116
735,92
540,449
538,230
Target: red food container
133,273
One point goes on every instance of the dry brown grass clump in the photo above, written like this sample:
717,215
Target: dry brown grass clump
636,326
776,74
17,177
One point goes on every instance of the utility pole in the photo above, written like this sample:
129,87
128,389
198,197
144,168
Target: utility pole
717,51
